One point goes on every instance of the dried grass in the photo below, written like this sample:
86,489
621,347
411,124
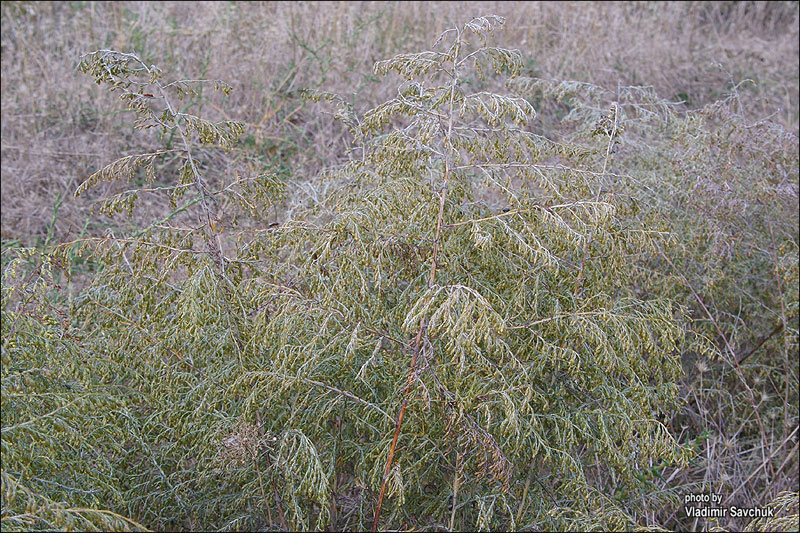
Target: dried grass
57,129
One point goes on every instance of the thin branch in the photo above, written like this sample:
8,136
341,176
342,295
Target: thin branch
418,340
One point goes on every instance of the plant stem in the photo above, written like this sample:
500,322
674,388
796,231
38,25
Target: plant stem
423,323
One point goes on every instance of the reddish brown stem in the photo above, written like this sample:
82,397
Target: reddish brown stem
417,343
418,340
398,424
413,367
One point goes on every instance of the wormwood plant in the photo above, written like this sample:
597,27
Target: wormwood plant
485,264
447,339
93,394
726,190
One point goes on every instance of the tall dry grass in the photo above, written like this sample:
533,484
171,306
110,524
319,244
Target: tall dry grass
56,129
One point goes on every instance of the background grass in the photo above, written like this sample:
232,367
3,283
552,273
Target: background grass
57,129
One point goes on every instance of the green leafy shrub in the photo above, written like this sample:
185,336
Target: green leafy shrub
725,191
529,358
457,334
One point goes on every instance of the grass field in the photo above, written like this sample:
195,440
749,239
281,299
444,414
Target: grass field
57,129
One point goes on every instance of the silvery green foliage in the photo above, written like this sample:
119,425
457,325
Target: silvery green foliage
461,270
493,258
724,189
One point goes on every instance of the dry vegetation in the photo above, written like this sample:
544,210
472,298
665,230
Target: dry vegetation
717,172
56,130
